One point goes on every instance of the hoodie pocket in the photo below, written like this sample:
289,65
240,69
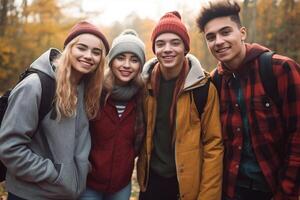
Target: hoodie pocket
67,181
66,184
83,168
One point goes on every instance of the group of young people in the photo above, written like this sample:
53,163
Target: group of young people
110,107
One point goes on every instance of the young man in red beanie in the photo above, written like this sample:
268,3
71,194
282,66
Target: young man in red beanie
261,129
183,150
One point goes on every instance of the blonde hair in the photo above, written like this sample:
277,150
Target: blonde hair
109,77
66,92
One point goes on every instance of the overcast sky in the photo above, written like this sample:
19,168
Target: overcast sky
108,11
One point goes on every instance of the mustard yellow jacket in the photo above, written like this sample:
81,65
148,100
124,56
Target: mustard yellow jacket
198,145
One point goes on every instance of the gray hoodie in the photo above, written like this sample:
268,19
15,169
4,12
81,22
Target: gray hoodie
52,162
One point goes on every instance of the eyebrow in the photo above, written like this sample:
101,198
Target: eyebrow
132,55
86,46
226,27
221,29
172,40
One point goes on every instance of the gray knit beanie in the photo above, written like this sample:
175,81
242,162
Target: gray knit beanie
127,42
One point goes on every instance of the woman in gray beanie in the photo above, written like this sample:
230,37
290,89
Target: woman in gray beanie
119,128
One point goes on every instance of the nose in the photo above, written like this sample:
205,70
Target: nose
167,47
219,39
126,63
88,54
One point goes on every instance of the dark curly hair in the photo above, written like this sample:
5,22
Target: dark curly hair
221,8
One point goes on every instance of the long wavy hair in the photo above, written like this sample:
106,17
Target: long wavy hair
66,93
109,77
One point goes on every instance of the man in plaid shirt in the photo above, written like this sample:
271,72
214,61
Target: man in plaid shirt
262,140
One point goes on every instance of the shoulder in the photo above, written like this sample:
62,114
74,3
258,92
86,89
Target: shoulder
25,97
29,85
195,64
148,67
283,64
280,59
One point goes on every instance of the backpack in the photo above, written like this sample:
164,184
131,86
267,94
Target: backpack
267,76
48,91
200,96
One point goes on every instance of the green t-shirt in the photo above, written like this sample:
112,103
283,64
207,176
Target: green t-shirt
163,154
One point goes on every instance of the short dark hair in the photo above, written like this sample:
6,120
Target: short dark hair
222,8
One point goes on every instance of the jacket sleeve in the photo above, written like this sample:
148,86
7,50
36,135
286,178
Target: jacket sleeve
289,88
212,171
18,126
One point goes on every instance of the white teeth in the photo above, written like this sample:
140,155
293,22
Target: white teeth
125,73
86,63
222,50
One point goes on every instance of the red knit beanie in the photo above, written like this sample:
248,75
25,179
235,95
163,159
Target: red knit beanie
171,23
85,27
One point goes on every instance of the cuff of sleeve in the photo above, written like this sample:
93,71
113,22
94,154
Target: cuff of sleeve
54,176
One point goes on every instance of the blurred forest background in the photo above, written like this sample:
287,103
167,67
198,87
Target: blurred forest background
29,27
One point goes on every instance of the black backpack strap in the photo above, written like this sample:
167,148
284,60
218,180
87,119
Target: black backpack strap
3,104
48,91
268,78
200,96
217,80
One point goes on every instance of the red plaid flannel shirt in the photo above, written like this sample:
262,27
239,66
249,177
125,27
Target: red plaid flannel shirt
276,145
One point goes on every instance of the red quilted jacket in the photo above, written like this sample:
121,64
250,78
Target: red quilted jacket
112,154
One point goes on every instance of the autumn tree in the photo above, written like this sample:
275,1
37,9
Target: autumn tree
143,27
287,32
30,29
276,25
9,17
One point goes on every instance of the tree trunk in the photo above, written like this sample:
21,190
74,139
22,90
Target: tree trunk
249,19
3,16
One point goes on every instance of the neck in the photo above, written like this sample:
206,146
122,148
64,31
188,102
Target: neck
170,73
236,62
75,77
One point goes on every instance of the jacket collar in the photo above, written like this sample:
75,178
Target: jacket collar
195,75
253,51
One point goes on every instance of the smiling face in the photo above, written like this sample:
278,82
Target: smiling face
86,55
225,39
169,50
125,68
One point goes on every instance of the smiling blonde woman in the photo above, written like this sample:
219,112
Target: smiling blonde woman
49,159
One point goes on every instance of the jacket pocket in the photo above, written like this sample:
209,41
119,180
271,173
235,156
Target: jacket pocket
267,118
83,168
65,185
266,111
67,180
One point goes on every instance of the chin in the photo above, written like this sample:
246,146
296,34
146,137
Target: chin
169,65
223,59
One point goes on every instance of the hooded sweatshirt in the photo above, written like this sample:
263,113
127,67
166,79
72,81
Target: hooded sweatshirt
47,160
